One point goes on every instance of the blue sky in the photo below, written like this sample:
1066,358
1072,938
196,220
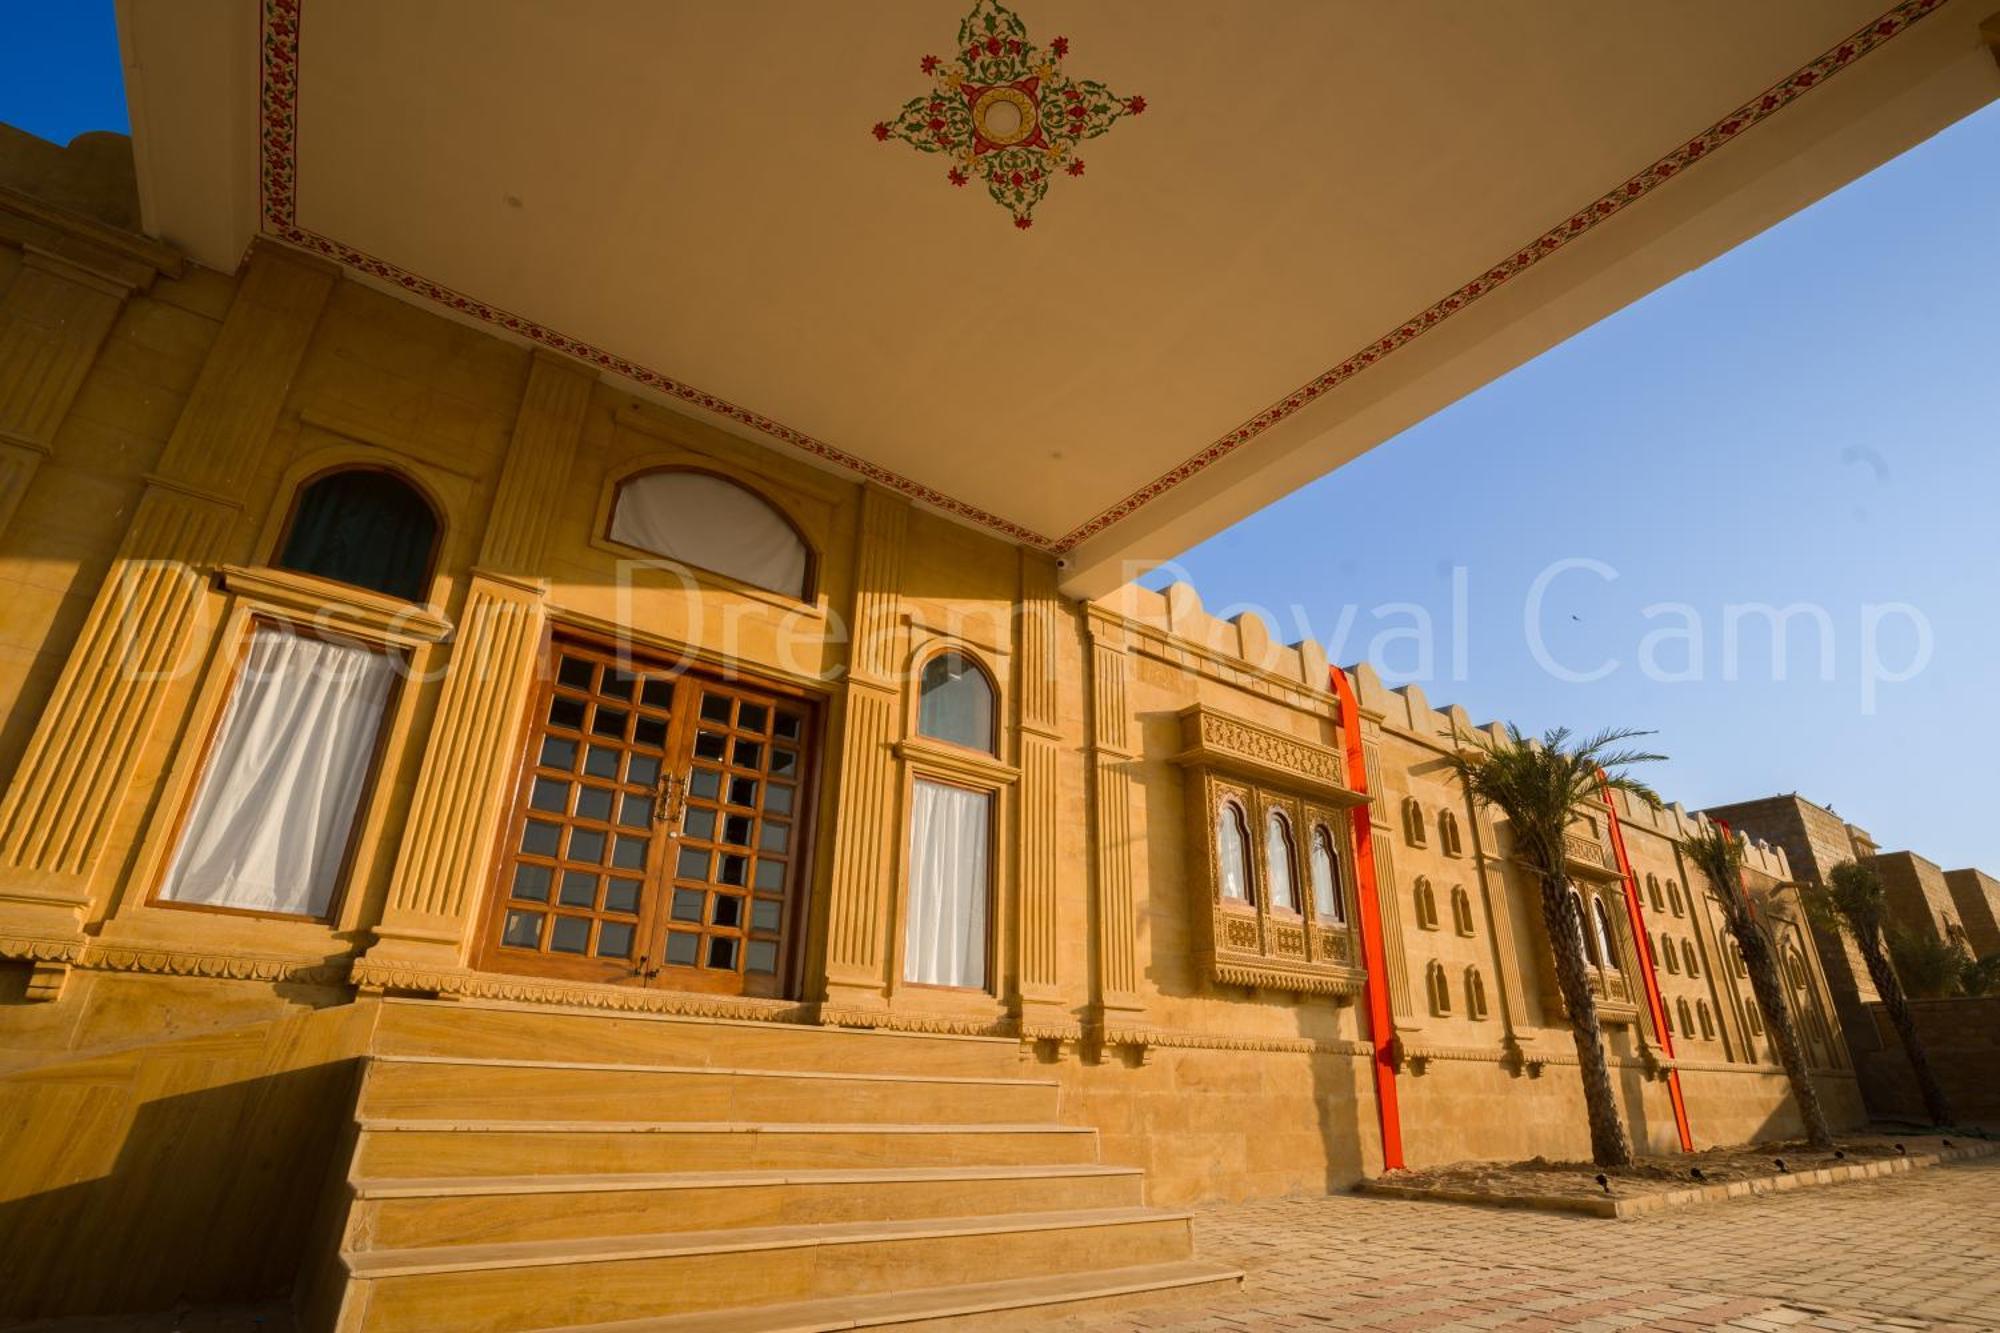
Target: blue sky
59,71
1813,419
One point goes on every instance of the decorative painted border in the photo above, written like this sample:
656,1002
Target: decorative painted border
279,181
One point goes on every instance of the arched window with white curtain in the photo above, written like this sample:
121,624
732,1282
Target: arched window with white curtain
713,523
1279,863
946,928
1584,931
1232,858
274,810
1604,935
1328,901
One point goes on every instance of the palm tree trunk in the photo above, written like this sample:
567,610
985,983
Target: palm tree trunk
1761,961
1891,990
1608,1144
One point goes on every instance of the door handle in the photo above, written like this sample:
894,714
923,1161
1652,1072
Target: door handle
663,800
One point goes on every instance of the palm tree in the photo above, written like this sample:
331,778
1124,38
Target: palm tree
1853,896
1544,787
1720,857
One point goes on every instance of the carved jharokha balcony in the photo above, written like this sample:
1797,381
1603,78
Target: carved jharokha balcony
1280,920
1589,857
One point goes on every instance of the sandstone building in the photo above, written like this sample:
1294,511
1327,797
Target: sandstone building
494,837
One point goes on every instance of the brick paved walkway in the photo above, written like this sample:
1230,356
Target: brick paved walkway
1920,1251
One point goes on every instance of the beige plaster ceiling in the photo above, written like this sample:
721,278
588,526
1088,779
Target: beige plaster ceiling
691,187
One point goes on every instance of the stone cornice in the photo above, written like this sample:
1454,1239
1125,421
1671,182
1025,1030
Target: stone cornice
1216,740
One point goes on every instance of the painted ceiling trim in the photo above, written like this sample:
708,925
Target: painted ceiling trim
279,178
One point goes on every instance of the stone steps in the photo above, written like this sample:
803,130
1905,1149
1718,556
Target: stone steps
431,1087
519,1167
396,1214
533,1284
983,1305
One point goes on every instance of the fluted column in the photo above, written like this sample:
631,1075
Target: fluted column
1039,731
143,630
53,319
1388,884
1121,1010
859,890
427,923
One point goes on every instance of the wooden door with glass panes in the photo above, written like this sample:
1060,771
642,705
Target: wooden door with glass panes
657,831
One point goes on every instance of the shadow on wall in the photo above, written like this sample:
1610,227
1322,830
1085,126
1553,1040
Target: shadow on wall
121,1193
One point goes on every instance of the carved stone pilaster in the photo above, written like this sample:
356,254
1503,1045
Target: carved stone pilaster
1388,885
53,319
1039,732
143,630
859,892
476,734
1120,1018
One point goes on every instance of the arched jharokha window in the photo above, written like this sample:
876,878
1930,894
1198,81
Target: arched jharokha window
1585,931
1475,993
365,527
713,523
1439,986
1413,821
1795,971
1329,904
951,831
1280,872
1602,923
1448,840
1461,910
1232,841
1426,904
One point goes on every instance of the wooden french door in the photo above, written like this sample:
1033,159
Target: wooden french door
658,829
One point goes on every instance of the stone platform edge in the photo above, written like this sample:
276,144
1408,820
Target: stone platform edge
1683,1196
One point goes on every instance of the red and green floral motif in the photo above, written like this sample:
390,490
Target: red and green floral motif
1003,110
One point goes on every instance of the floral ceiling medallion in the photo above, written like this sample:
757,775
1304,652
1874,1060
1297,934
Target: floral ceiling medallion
1004,111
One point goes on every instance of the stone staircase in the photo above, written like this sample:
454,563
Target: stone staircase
522,1168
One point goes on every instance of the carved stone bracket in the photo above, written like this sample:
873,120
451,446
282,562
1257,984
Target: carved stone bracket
1215,740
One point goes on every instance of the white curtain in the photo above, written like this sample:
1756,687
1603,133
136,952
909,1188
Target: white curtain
713,523
1326,880
278,797
945,938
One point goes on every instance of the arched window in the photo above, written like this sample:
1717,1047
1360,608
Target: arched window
1232,865
1328,902
1427,905
1688,957
1448,839
1461,910
1603,932
1674,897
1475,993
1413,821
1284,881
364,527
713,523
1707,1023
1756,1018
1585,932
1686,1017
1668,954
955,702
1439,987
1795,970
1653,893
